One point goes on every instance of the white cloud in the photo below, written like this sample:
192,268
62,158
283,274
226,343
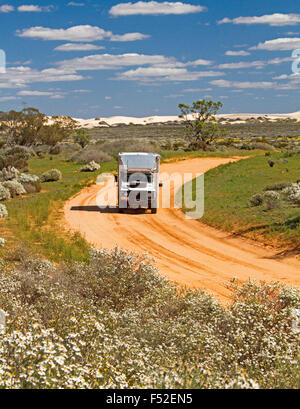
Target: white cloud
20,77
146,74
11,98
110,61
239,65
35,93
81,91
78,47
74,4
197,90
149,67
294,77
276,19
129,37
154,8
6,8
249,84
33,8
30,93
77,33
237,53
279,44
255,64
82,33
198,62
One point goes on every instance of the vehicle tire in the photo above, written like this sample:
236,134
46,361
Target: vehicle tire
154,211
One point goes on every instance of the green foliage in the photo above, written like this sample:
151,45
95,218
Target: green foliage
52,175
4,193
257,199
30,127
201,126
278,186
115,323
15,188
33,219
91,153
81,137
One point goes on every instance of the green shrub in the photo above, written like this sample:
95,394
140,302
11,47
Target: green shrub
52,175
263,146
4,193
271,199
277,186
28,178
55,150
90,167
3,211
15,188
257,199
32,187
18,160
89,154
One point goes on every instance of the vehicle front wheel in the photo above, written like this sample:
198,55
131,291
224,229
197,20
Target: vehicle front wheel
154,211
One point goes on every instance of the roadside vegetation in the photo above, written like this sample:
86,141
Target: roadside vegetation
258,198
116,323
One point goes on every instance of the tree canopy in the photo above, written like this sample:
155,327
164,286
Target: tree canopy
201,127
30,127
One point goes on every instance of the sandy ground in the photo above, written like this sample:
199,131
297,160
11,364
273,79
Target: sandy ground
113,120
186,251
91,123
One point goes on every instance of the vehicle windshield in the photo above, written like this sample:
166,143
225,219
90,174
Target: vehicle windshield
139,177
139,161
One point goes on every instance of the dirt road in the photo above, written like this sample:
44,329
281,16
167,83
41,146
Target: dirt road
186,251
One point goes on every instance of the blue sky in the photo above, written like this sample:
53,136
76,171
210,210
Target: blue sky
89,58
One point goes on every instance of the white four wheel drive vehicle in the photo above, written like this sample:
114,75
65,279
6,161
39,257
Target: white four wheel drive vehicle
138,181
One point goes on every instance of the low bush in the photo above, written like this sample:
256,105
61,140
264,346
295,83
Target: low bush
257,199
91,153
32,187
90,167
52,175
271,199
55,150
4,193
3,211
23,150
28,178
15,188
19,160
278,186
292,193
9,173
263,146
116,323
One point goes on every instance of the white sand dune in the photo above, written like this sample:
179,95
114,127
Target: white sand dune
114,120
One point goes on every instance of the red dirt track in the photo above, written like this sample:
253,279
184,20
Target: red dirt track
186,251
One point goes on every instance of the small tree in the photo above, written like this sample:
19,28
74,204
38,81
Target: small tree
22,128
30,127
10,126
82,137
59,128
201,127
